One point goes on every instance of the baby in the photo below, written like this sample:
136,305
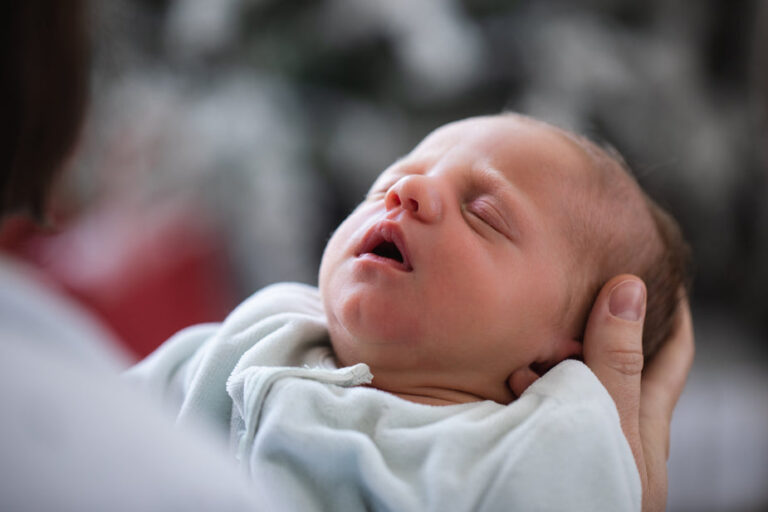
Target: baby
462,280
472,264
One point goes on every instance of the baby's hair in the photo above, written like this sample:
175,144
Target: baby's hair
667,275
655,250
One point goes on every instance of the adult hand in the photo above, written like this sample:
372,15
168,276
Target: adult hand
645,399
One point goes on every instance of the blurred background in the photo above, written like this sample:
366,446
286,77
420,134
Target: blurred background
227,138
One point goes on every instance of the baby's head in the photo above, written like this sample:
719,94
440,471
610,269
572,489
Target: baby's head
475,259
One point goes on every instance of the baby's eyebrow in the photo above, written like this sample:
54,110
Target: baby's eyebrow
487,177
395,171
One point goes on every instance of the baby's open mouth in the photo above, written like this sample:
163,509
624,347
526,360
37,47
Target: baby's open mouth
388,250
385,241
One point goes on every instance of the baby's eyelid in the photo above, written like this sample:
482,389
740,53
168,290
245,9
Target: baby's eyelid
383,186
377,192
491,215
380,189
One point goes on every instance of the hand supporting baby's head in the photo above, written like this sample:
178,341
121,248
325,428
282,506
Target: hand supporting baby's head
469,266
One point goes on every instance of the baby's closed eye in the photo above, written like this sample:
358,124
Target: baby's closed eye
380,188
484,210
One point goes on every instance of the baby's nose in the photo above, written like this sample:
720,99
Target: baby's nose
417,195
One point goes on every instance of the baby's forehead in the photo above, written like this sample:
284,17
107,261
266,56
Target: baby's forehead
507,140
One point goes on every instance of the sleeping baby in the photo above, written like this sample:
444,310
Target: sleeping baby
437,366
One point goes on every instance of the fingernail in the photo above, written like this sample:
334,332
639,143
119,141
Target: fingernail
627,300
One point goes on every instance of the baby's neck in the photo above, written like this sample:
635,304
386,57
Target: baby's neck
424,385
433,396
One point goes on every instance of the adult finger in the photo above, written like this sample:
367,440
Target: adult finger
613,350
664,378
662,383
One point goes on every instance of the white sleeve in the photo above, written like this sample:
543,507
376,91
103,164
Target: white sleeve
191,369
165,372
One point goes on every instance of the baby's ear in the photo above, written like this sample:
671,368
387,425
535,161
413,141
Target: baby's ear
567,348
562,349
520,379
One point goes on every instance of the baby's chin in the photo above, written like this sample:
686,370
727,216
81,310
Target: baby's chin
341,343
366,316
352,346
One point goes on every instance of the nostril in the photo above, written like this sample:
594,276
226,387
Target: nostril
394,199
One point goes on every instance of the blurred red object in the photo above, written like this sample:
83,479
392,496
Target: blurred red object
146,273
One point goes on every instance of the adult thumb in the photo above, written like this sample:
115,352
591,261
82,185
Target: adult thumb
613,350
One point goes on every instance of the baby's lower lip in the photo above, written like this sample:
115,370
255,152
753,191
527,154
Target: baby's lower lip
375,258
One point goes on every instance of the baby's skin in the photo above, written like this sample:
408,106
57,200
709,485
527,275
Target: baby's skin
453,278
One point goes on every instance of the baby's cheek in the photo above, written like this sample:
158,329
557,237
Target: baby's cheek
329,262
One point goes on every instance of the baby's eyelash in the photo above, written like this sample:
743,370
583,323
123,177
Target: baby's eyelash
477,217
489,214
383,188
377,193
482,211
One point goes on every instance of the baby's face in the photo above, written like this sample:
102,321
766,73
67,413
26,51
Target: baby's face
455,271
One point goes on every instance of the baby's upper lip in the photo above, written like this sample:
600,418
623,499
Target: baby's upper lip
385,231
